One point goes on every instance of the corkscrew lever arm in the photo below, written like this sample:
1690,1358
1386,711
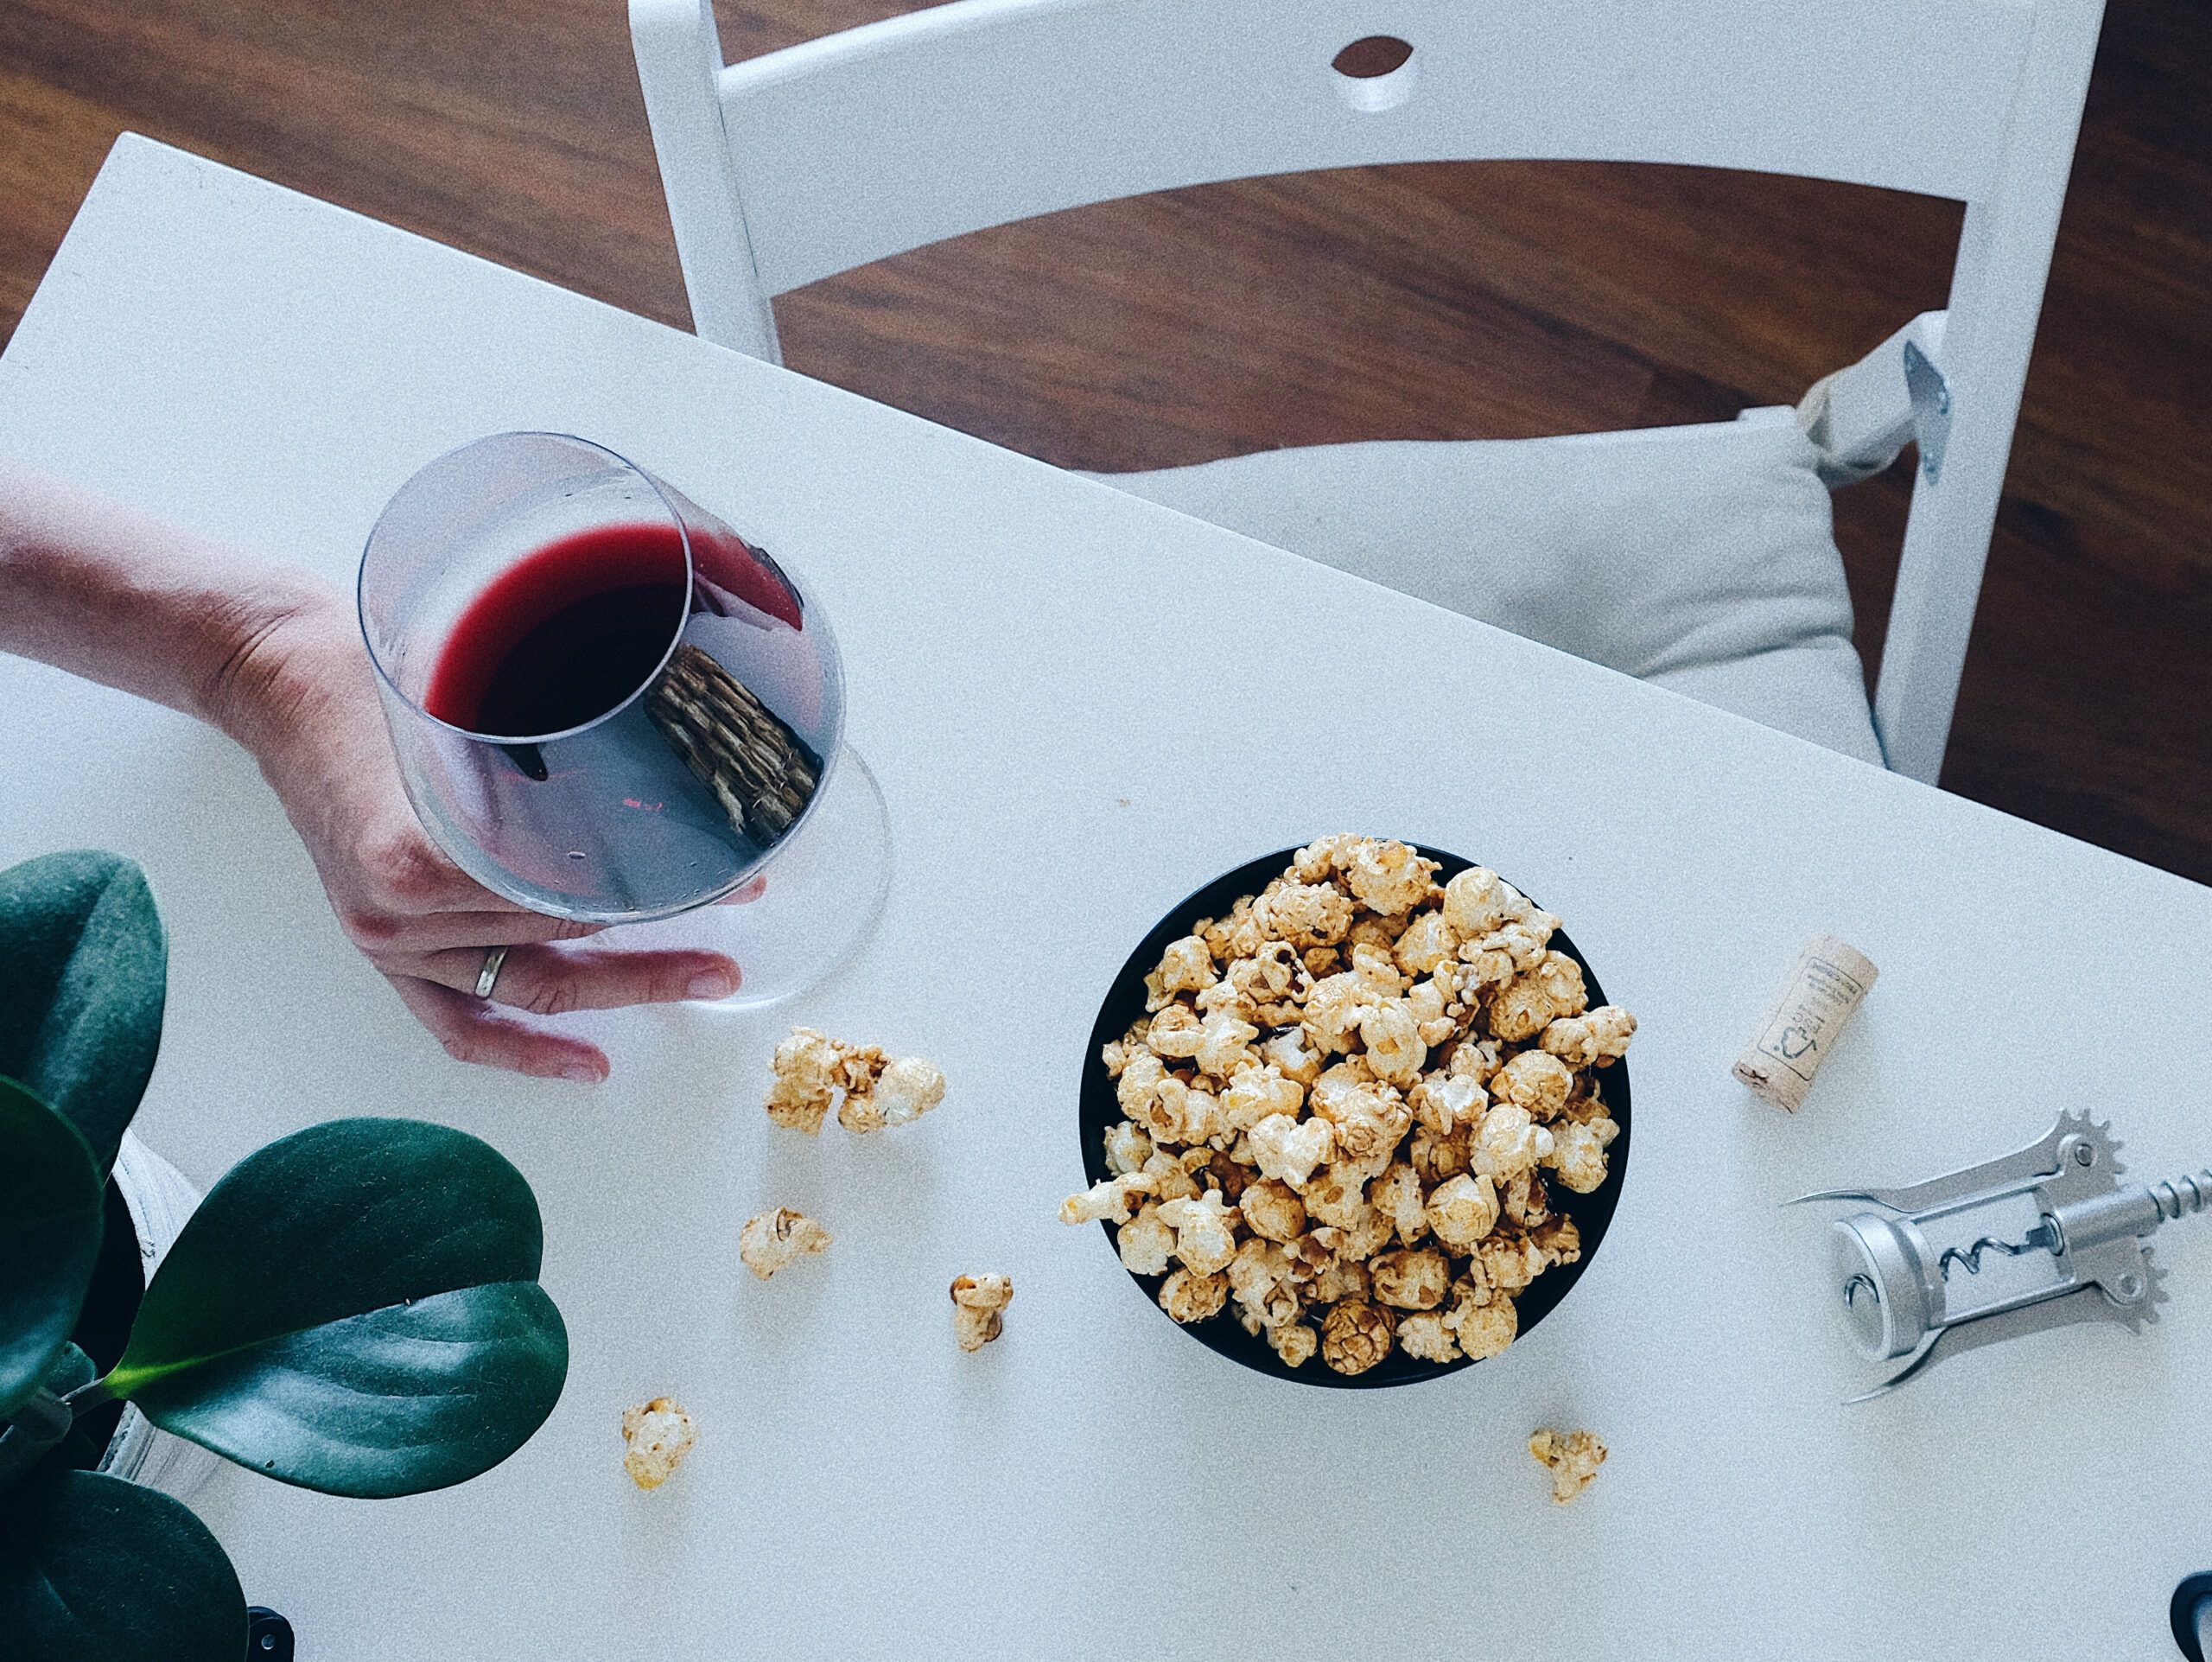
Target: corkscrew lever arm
2022,1168
2087,1305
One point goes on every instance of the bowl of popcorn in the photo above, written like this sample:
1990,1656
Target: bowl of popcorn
1355,1114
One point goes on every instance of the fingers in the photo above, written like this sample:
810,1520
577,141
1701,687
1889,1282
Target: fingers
745,893
438,931
473,1031
547,981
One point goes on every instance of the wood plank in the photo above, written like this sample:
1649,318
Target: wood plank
1427,302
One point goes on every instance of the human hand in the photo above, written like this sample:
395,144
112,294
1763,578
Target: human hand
300,694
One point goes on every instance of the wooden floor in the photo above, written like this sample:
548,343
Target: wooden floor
1479,301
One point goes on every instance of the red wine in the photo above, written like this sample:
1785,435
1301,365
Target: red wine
564,635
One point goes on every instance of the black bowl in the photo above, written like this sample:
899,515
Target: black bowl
1098,1111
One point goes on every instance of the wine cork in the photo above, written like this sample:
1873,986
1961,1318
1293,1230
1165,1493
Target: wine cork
1830,980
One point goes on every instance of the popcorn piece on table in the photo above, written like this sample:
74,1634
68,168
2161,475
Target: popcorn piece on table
906,1089
806,1066
777,1239
978,1306
1573,1458
811,1068
659,1435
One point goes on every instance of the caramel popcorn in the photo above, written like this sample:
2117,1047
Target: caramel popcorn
1408,1280
1349,1106
1578,1153
978,1308
1462,1210
811,1068
1486,1329
1536,1081
1127,1148
1355,1336
806,1066
1293,1341
1573,1458
1145,1243
1272,1210
657,1435
1185,967
1593,1039
1289,1149
1304,914
1508,1144
907,1090
1424,1337
777,1239
1111,1200
1387,878
1205,1239
1190,1297
1259,1090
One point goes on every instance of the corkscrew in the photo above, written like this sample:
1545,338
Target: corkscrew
2039,1238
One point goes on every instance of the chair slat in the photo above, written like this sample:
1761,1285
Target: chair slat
946,121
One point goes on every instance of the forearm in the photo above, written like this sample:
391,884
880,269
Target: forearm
124,599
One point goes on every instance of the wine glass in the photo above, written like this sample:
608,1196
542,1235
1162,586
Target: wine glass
608,705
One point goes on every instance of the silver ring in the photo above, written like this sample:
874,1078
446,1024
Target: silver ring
488,976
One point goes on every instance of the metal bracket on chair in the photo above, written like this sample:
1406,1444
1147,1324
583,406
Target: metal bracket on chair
1860,417
1930,396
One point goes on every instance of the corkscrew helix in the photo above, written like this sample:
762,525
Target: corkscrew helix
2035,1239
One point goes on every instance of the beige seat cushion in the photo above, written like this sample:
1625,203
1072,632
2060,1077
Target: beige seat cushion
1701,559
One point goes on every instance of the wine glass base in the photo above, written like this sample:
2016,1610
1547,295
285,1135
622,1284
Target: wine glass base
821,898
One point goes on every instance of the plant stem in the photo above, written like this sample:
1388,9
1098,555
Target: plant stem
89,1395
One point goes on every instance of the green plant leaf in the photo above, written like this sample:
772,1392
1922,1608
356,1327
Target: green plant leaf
49,1238
96,1569
83,970
354,1309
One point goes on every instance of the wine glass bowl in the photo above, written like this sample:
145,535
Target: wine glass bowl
606,704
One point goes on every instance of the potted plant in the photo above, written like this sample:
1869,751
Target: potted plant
353,1308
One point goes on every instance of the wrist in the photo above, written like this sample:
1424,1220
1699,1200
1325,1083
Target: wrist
269,652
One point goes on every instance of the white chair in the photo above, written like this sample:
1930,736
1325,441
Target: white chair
1702,558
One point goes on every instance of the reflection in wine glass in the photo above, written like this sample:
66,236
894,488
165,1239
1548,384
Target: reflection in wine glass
608,705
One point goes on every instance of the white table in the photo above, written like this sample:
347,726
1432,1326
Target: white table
268,369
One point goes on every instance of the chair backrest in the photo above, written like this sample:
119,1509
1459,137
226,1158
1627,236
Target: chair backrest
794,166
